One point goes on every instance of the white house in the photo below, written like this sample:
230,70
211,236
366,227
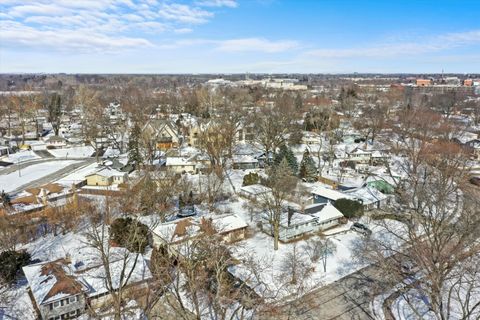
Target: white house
294,224
359,155
181,165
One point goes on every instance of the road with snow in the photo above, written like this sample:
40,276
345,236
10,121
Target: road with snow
347,298
35,174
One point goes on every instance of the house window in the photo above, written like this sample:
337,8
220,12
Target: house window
56,304
72,299
72,313
78,298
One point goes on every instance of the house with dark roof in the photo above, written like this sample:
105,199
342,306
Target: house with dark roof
164,133
57,293
66,287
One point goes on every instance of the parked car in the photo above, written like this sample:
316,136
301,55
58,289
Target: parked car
361,228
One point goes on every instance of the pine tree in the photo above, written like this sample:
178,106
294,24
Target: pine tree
134,156
286,153
308,170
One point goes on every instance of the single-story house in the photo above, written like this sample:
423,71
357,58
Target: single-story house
106,177
254,191
181,165
370,197
244,162
294,224
325,195
56,142
229,226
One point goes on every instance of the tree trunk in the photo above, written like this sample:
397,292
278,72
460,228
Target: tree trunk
276,235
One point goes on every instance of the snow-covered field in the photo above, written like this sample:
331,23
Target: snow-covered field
74,152
13,180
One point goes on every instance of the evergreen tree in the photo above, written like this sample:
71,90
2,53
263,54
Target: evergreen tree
134,156
251,178
12,262
286,153
54,112
308,170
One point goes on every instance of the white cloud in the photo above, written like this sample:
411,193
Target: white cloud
18,34
430,45
256,44
184,13
218,3
105,20
183,30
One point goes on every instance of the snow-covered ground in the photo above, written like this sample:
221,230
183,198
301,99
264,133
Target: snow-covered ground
78,175
21,156
74,152
13,180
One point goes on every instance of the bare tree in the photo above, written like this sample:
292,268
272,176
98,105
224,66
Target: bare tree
282,183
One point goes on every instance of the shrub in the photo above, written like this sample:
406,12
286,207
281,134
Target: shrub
349,208
130,234
11,262
251,178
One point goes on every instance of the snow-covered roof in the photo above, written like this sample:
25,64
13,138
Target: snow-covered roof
360,151
94,278
296,219
244,159
329,212
367,195
107,172
328,193
229,222
182,229
54,280
255,189
179,161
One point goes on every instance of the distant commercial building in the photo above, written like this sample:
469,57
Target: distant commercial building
424,82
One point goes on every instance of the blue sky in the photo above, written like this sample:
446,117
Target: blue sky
236,36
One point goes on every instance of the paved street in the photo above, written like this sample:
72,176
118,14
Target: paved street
53,176
347,298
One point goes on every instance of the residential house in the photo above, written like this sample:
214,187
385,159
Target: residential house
294,224
66,287
230,227
106,177
325,195
359,155
56,142
370,197
254,191
244,162
164,133
181,165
